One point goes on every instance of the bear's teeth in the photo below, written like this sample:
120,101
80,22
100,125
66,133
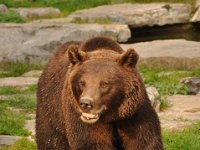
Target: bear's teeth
89,116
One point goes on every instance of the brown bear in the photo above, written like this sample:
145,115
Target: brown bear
91,97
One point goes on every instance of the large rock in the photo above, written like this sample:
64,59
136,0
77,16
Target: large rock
197,3
6,140
37,12
154,97
35,42
196,16
18,81
193,84
3,8
168,53
136,15
184,111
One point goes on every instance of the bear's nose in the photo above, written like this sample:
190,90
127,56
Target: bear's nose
86,104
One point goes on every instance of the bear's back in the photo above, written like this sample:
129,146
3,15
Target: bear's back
99,43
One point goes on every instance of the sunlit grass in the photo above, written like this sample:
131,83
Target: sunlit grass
15,69
188,139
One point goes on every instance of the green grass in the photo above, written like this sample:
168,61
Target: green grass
10,69
10,90
188,139
167,84
11,16
22,144
28,104
12,123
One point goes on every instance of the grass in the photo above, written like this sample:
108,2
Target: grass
188,139
10,90
28,104
10,69
22,144
167,84
11,16
12,123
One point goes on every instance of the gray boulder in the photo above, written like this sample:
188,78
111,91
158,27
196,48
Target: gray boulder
6,140
36,42
3,8
136,15
37,12
168,53
193,84
154,97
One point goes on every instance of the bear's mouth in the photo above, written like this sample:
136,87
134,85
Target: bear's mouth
89,118
92,117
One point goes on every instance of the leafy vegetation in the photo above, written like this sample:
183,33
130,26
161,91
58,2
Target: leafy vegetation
166,81
11,16
188,139
11,123
28,104
10,90
10,69
22,144
13,113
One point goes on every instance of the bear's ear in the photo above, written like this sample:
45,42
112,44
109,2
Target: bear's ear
128,58
75,55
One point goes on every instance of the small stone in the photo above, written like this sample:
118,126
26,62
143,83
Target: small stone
154,97
193,84
30,125
6,140
3,8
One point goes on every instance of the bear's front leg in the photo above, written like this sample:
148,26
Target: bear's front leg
141,133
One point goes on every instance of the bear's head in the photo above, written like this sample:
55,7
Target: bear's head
105,84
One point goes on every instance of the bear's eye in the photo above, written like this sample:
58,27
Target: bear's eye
82,83
104,84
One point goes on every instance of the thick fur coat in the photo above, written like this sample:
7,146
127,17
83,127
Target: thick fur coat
91,97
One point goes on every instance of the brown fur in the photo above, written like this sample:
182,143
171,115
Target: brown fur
98,69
